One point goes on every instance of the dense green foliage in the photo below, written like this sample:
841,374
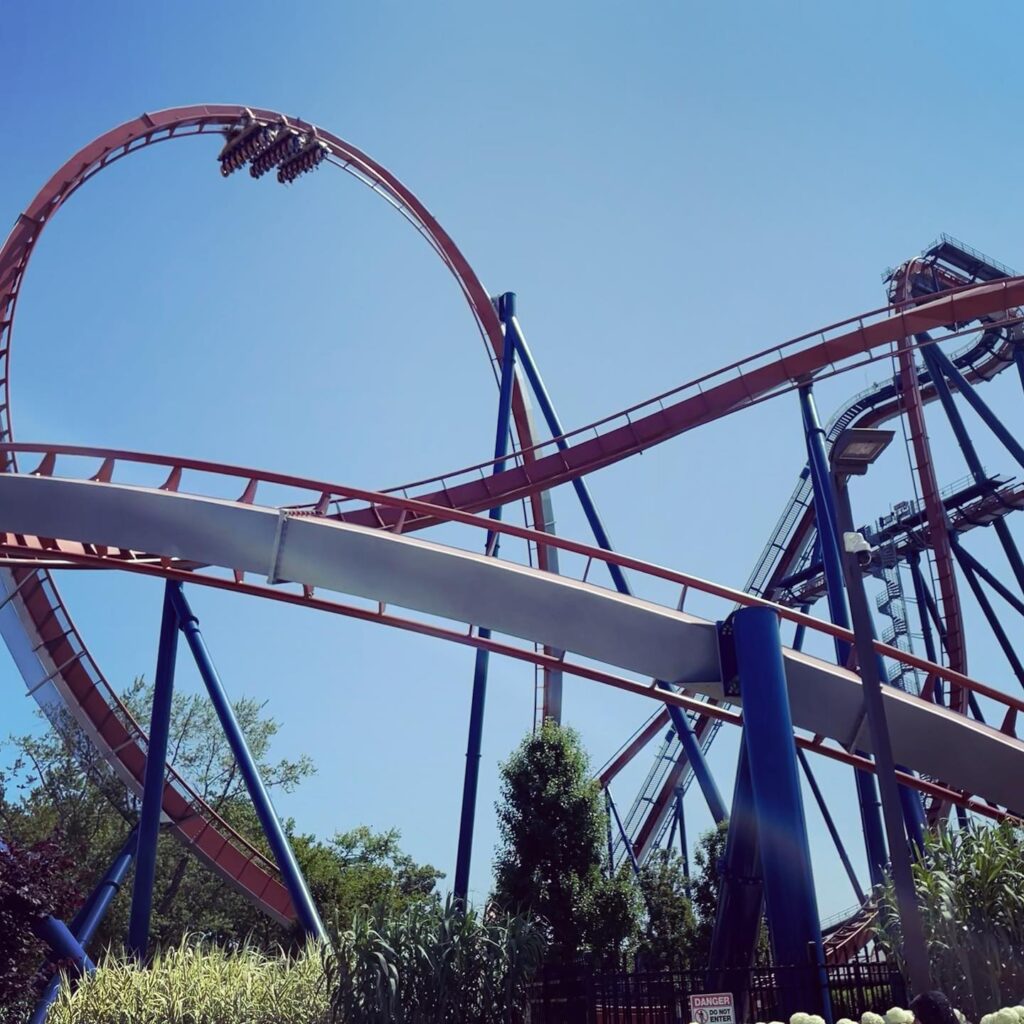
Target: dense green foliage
705,889
58,778
667,939
35,881
432,965
552,827
970,887
361,867
188,984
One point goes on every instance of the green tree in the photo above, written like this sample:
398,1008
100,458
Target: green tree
667,942
549,862
63,781
59,779
705,888
363,868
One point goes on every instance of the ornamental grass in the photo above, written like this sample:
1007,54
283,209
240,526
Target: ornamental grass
426,964
195,984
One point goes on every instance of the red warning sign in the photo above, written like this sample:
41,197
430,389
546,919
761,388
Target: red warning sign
713,1008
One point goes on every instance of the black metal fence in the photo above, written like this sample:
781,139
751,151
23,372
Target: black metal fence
579,995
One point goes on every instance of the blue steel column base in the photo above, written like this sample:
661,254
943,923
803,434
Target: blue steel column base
58,937
153,784
88,919
305,910
793,923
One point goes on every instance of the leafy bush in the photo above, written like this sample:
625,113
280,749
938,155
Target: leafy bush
970,887
35,881
191,984
432,965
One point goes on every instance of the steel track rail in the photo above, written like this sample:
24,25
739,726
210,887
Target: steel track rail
79,682
437,580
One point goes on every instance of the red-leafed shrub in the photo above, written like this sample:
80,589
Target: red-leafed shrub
34,881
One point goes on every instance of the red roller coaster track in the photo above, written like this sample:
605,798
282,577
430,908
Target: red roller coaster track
453,498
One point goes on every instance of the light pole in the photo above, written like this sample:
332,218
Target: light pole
856,449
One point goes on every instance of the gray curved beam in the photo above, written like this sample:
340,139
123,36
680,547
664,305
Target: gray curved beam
536,606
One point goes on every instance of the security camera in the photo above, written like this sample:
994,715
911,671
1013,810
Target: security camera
855,544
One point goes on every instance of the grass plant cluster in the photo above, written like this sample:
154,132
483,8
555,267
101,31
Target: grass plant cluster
970,887
192,984
426,964
433,965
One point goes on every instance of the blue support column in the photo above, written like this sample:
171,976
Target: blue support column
474,743
679,720
630,852
1018,358
922,592
826,814
694,754
922,610
740,897
793,921
999,524
1012,445
672,830
990,615
65,946
153,784
825,517
831,558
989,577
307,914
547,409
88,919
684,847
800,633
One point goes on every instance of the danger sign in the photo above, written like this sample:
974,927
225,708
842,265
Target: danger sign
713,1008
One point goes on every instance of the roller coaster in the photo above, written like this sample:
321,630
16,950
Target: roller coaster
367,554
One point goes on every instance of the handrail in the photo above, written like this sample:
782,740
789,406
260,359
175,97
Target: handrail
792,382
471,638
433,513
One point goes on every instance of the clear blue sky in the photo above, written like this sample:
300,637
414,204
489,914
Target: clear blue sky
667,186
